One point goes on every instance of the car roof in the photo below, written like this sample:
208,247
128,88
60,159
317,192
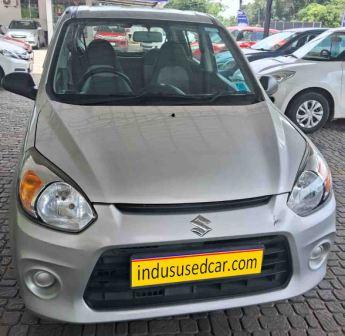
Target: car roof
118,12
340,29
302,30
25,20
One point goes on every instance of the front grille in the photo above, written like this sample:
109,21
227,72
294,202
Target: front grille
109,285
192,207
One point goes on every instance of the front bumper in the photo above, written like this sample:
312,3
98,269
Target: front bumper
72,257
11,65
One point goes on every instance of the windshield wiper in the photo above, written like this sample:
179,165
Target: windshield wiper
260,49
126,99
147,97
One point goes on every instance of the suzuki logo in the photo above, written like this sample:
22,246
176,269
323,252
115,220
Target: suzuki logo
201,227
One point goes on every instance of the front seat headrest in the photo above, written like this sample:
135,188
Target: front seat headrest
100,52
172,53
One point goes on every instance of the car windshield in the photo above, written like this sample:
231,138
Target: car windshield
274,42
22,25
249,35
151,62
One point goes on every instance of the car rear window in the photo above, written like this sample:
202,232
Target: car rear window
22,25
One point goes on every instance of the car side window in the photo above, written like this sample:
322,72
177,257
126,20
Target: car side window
226,66
331,48
192,37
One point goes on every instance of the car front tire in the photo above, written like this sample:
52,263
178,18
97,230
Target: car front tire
309,111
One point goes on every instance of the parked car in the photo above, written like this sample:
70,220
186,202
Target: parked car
29,31
14,58
283,43
311,89
115,35
246,36
19,43
180,191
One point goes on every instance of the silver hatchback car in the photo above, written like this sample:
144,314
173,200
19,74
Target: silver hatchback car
155,181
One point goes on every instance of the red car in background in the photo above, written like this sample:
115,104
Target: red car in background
115,35
246,36
217,43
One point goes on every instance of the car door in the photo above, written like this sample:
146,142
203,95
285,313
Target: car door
330,57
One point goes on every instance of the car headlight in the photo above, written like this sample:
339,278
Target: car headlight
313,185
8,53
284,75
53,202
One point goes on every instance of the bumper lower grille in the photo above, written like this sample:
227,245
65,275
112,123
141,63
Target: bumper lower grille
109,285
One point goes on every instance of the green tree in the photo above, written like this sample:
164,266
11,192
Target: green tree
205,6
328,13
255,11
229,21
281,10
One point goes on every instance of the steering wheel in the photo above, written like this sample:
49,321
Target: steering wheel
101,70
169,88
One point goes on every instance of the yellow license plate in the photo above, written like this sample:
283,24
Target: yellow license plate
169,269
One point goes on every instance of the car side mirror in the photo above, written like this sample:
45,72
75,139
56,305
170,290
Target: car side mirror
21,84
325,53
270,85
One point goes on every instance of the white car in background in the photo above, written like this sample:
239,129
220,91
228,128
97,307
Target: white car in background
14,58
312,86
29,31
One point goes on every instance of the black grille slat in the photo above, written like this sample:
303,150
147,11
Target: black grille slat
192,207
109,285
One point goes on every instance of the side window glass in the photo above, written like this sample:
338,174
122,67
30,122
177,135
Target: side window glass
226,66
193,42
310,37
330,49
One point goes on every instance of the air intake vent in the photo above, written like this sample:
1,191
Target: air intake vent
109,285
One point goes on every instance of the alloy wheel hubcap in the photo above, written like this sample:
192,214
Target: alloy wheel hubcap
309,114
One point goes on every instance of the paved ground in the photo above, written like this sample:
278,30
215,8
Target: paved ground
319,312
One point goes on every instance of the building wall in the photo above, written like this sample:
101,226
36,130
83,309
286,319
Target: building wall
13,12
42,13
7,14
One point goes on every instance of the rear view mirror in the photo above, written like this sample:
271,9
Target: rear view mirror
147,37
21,84
270,85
